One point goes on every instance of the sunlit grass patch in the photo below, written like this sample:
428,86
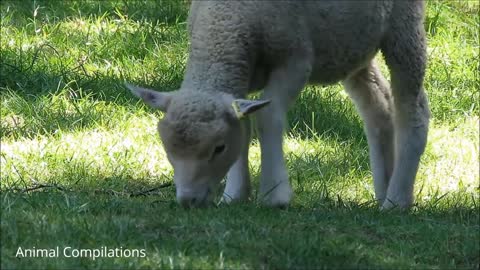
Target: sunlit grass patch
125,151
453,46
321,165
451,163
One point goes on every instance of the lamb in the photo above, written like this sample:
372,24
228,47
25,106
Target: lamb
238,47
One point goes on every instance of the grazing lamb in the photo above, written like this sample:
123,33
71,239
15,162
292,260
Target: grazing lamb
238,47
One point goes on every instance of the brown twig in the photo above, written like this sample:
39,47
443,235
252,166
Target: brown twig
111,192
146,192
38,186
132,194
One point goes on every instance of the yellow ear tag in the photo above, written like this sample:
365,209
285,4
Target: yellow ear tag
237,111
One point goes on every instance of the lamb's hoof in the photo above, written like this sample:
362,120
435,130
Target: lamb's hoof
227,199
390,204
278,197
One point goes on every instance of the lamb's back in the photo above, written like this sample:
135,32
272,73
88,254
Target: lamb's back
339,36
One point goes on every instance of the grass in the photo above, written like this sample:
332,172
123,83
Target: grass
67,123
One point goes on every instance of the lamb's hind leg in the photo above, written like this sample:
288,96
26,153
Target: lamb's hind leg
404,50
371,94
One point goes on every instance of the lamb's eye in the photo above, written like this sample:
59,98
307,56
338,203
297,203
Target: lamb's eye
219,149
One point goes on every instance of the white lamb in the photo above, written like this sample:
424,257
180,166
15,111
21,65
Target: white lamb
238,47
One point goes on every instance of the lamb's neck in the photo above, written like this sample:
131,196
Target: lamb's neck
231,77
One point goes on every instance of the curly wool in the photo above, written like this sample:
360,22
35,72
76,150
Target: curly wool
192,113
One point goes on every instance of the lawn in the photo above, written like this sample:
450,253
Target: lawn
82,165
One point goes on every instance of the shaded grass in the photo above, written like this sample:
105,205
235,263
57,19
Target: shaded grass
66,120
90,52
352,236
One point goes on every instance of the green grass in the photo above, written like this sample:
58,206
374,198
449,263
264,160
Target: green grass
69,124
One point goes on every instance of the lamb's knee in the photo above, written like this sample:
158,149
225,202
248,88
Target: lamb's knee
412,111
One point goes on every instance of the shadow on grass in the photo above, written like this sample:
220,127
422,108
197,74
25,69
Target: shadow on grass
31,79
323,111
39,102
328,233
34,88
60,57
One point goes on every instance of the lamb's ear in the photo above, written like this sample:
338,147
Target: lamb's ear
153,98
242,107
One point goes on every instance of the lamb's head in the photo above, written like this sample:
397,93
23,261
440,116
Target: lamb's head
202,134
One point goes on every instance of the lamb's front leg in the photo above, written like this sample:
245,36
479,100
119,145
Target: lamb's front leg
238,187
275,188
283,87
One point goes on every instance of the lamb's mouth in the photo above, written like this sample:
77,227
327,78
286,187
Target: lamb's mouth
202,202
